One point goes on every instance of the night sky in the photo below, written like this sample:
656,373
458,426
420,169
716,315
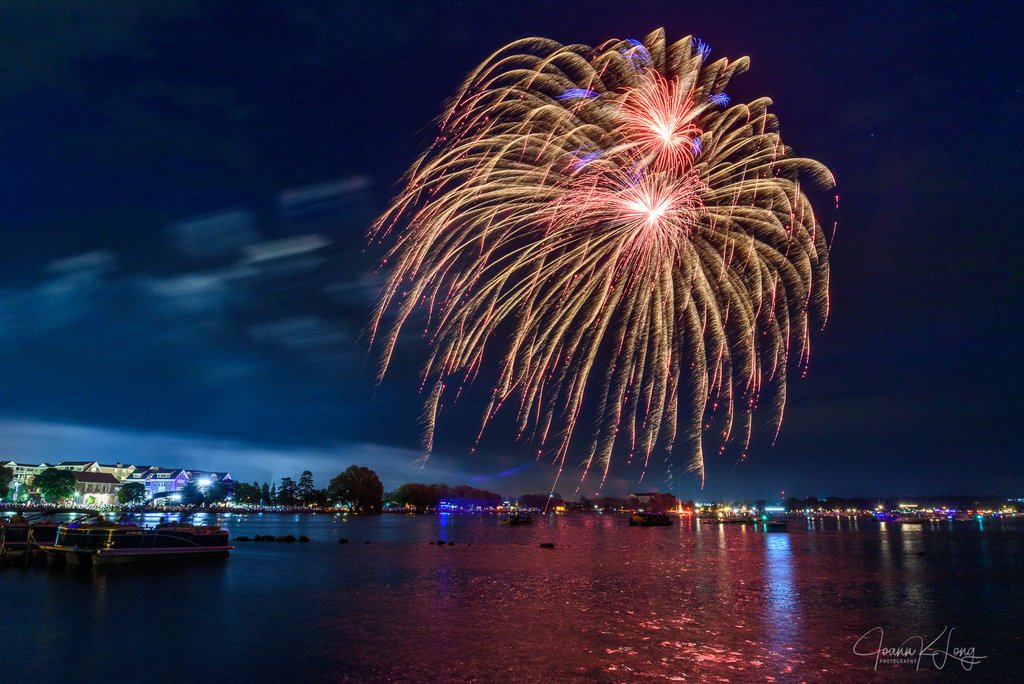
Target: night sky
170,294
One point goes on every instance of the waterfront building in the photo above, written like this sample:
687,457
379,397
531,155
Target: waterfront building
641,500
119,470
160,480
96,488
24,473
79,466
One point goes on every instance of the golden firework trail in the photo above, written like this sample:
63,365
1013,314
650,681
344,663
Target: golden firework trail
621,235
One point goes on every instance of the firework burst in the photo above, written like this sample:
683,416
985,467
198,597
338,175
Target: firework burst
620,235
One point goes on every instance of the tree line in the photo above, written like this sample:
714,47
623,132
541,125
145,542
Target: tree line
423,498
357,487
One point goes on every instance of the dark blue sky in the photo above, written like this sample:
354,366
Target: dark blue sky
131,330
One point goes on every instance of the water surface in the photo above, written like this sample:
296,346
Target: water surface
610,603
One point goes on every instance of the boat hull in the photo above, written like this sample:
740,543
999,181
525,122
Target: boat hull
14,541
123,556
115,545
650,520
728,521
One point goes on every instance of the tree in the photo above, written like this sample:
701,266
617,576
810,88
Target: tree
662,503
610,503
132,493
54,484
286,493
6,475
466,496
420,496
360,488
424,498
538,501
273,495
265,498
247,493
193,494
304,490
318,498
835,503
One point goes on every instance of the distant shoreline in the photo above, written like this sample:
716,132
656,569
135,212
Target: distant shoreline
721,513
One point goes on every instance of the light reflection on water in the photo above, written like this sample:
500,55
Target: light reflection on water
782,615
609,603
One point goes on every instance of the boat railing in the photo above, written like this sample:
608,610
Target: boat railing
145,532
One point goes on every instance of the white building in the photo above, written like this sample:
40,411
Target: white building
96,489
24,473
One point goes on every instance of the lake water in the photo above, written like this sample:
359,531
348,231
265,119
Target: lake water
610,603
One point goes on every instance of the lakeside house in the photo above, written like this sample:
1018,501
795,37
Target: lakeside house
24,473
160,480
119,470
96,488
79,466
641,500
98,483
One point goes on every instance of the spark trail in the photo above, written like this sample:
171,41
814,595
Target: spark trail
622,236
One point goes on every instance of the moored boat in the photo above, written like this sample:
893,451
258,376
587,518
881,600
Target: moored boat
728,521
518,518
103,543
14,537
21,537
43,531
649,520
909,520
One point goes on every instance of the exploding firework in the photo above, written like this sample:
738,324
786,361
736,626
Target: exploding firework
623,237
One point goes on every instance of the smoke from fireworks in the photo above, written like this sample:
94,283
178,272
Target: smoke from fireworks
620,235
